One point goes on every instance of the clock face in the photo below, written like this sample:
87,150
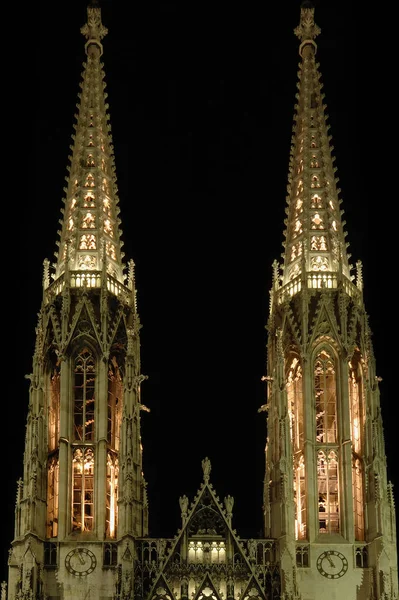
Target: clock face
80,562
332,564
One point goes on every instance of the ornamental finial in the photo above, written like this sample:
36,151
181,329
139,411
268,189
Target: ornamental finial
307,28
94,29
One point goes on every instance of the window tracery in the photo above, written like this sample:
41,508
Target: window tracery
327,475
84,395
52,497
83,489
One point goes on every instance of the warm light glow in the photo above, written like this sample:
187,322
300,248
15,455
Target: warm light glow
88,221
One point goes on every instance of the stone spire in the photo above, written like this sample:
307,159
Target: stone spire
315,246
90,238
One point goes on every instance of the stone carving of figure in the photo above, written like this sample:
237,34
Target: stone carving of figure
252,549
206,467
161,545
229,503
183,500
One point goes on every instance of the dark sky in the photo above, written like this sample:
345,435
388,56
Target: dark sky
201,101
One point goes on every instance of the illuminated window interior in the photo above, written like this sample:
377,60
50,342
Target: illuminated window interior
111,510
316,201
87,242
108,228
83,490
54,412
317,222
52,497
358,498
115,395
296,251
89,180
328,503
297,228
295,403
295,410
84,395
318,243
87,262
314,163
89,200
300,498
90,161
206,552
107,206
88,221
300,187
315,183
110,249
325,398
357,426
319,263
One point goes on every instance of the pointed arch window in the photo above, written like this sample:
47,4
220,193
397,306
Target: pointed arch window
115,396
300,498
111,505
357,425
52,497
83,490
325,390
54,412
84,395
295,403
328,492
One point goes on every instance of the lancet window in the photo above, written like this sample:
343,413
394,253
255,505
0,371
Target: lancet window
300,497
83,489
111,505
325,391
89,200
316,201
88,221
110,249
317,222
54,412
52,497
108,228
328,492
296,413
357,425
115,395
325,398
87,242
84,395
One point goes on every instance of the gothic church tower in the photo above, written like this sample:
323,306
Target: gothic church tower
82,498
327,500
81,519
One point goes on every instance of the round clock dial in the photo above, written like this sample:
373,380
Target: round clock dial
80,562
332,564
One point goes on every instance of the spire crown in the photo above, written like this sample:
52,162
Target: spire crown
307,29
94,30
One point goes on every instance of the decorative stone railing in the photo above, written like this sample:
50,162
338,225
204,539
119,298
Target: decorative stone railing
88,280
317,281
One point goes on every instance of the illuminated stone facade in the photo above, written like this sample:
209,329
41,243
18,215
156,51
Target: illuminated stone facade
81,520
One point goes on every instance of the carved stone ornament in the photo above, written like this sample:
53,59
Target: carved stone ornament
94,29
307,28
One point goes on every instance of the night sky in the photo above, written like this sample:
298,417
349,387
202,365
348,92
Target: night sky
201,101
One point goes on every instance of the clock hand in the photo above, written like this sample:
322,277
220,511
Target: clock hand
330,561
82,560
